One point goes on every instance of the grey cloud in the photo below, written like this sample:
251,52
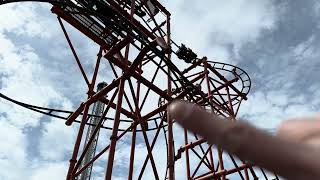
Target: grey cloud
285,60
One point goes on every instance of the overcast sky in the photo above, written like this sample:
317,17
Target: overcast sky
276,42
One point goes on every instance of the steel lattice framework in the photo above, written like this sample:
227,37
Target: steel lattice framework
147,73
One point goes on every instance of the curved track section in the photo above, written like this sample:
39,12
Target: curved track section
64,114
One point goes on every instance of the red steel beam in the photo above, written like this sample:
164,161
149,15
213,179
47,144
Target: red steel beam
134,124
225,80
95,131
73,159
114,134
122,110
187,154
61,13
73,52
189,146
224,172
141,79
134,22
152,145
201,161
197,63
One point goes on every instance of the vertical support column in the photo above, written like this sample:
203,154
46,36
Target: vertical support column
246,173
134,131
73,160
209,95
113,137
221,165
169,119
170,140
220,159
133,145
91,139
233,118
187,153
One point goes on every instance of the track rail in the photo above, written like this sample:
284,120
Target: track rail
64,114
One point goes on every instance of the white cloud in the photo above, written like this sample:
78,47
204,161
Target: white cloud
25,20
209,24
50,171
268,110
56,141
277,98
23,77
12,151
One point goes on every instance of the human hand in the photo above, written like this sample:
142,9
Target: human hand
293,153
301,130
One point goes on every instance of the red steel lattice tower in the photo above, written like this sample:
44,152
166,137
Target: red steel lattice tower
146,71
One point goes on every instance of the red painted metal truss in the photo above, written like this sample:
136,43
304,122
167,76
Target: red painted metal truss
141,141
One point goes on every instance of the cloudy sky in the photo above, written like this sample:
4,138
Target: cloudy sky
276,42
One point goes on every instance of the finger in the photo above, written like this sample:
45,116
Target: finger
304,130
288,159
